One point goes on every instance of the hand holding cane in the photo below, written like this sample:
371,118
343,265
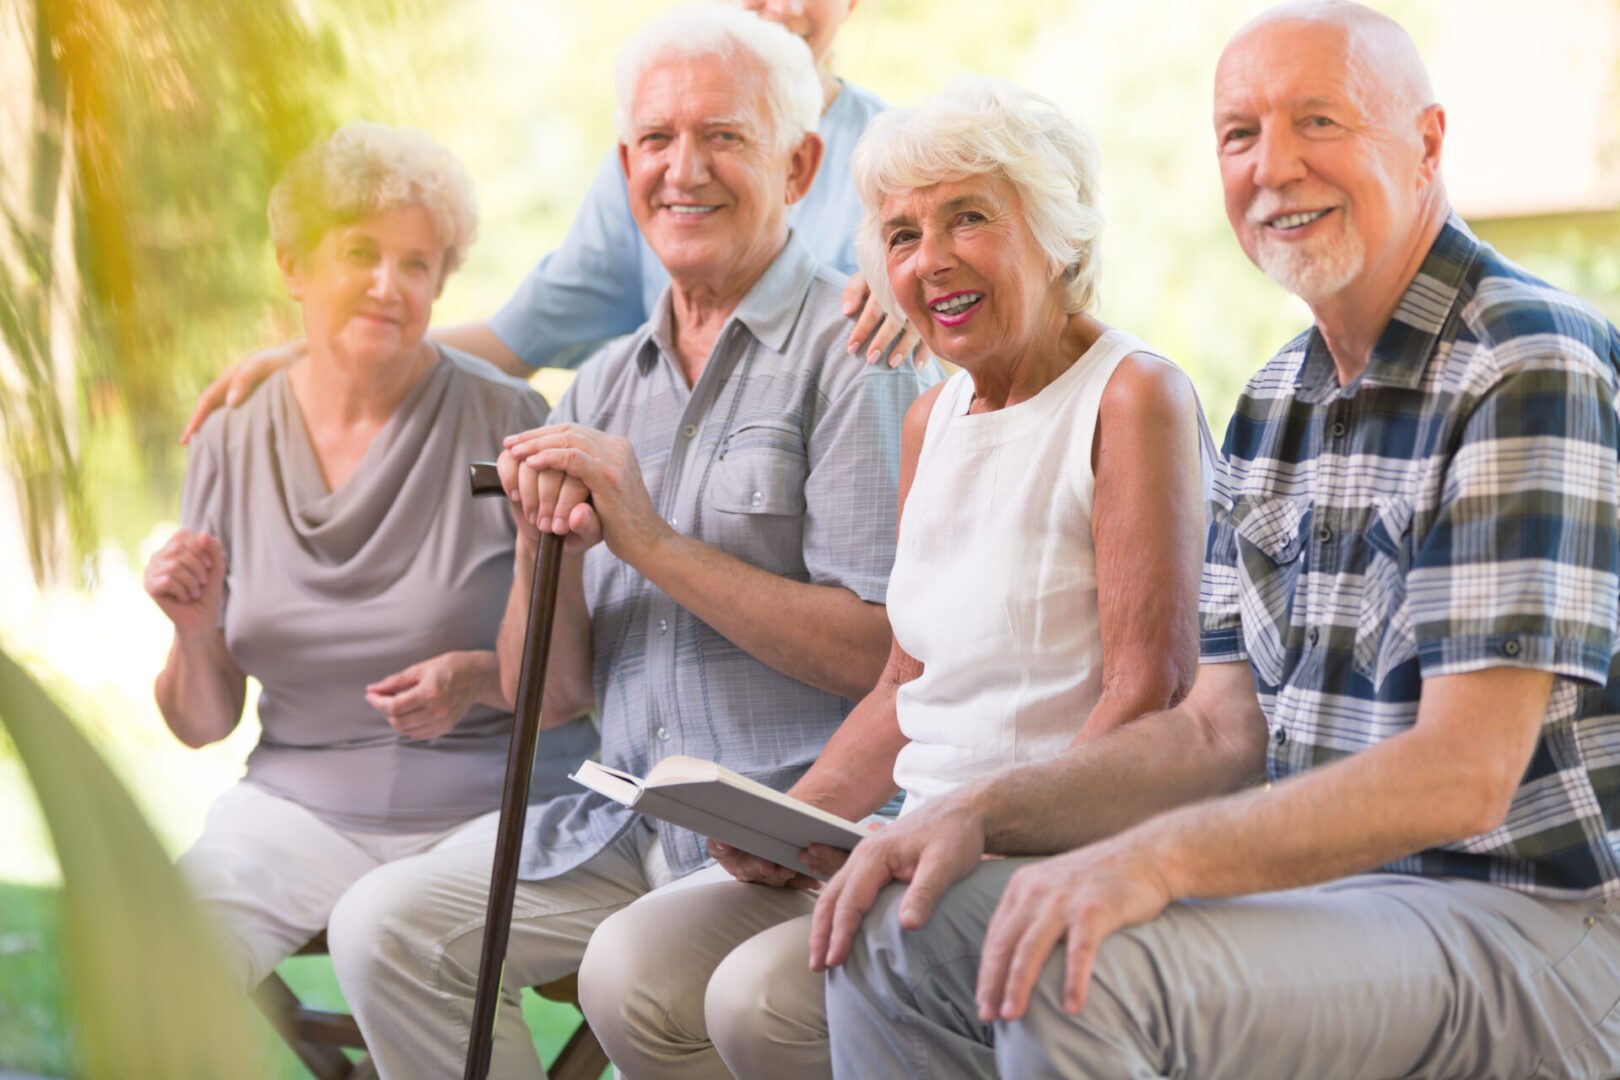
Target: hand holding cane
515,794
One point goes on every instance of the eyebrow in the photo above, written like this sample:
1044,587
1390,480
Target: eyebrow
736,120
1317,102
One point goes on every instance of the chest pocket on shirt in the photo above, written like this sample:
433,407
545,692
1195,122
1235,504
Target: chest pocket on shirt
1271,546
1384,638
761,470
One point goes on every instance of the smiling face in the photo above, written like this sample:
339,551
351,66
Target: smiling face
709,183
1323,160
367,289
968,272
816,21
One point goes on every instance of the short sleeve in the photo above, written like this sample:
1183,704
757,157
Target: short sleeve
852,493
1521,564
586,291
1220,624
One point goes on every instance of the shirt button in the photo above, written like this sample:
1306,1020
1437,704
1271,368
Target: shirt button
1511,647
663,626
1338,429
689,430
1313,635
1323,534
672,524
1280,737
662,733
757,498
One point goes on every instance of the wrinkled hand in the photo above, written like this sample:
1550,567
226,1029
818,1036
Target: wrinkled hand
582,461
428,699
235,383
1081,897
932,849
877,329
186,577
753,870
546,500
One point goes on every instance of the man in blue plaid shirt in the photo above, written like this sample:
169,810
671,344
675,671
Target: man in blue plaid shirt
1409,625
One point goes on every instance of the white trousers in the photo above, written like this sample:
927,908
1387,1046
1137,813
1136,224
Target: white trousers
269,872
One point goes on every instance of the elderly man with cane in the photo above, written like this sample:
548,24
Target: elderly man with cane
743,475
1409,627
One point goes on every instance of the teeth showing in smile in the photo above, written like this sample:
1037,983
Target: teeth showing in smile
689,211
1294,221
957,304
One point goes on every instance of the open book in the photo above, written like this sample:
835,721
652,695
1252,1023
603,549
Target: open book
713,801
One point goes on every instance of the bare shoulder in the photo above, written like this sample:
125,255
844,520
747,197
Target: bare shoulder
1145,388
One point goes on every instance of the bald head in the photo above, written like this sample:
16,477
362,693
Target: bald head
1380,57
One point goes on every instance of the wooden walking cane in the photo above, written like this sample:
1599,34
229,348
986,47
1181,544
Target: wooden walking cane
515,795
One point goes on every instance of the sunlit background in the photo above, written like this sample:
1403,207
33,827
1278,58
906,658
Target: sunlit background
138,140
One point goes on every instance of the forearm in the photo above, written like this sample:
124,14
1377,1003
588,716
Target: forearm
854,774
821,635
477,338
484,665
200,690
1404,795
569,692
1160,762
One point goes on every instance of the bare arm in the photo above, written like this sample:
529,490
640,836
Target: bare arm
1148,531
200,690
569,691
854,775
1450,777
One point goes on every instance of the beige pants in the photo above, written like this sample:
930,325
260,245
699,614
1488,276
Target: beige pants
406,939
269,872
708,978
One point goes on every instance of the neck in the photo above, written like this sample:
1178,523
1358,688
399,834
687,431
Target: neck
700,307
830,87
1047,354
1353,319
333,389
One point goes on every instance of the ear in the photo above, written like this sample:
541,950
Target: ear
292,272
1432,130
803,162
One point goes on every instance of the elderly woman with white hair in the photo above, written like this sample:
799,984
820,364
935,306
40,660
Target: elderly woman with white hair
331,551
1045,583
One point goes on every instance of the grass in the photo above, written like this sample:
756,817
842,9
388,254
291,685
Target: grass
35,1037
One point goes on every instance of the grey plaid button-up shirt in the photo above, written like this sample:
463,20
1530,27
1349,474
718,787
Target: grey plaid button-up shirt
786,454
1456,507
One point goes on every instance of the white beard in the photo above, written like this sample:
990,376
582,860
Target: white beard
1314,271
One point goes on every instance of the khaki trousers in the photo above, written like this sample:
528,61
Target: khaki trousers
405,942
708,978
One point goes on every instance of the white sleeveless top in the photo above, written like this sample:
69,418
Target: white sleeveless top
994,586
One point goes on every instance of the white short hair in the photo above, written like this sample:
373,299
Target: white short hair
792,88
366,169
980,126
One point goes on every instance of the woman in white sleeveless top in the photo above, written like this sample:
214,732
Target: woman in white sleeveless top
1045,585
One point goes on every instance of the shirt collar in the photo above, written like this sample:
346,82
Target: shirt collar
769,310
1404,347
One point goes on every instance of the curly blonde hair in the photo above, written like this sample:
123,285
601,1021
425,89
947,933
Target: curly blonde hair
365,169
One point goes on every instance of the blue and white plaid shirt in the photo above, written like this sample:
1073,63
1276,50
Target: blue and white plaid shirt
1456,507
786,454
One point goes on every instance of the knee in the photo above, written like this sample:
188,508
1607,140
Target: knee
367,933
764,997
613,976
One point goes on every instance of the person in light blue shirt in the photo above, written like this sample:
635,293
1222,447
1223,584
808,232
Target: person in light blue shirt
602,281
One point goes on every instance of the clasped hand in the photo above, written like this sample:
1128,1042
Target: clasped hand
581,484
